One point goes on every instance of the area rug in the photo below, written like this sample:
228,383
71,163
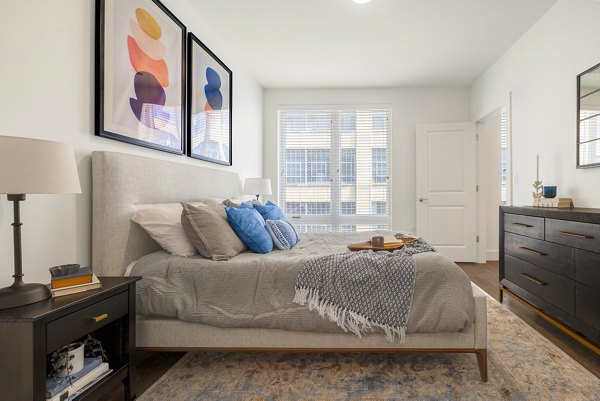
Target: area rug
523,365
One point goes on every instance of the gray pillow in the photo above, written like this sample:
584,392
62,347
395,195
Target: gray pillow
209,231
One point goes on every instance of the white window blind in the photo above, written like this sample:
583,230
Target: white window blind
335,168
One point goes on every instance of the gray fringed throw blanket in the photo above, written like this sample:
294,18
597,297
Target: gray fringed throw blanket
362,290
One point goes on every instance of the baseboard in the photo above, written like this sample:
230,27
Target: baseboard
493,255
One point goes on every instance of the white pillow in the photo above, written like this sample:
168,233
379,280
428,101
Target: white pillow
163,223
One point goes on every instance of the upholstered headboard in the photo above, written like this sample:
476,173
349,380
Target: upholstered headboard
121,181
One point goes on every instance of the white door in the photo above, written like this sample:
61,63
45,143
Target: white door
446,189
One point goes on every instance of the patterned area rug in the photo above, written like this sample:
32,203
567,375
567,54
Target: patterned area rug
523,365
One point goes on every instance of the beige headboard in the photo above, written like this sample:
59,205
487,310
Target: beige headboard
121,181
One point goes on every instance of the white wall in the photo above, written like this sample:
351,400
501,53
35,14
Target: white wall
540,70
410,106
46,91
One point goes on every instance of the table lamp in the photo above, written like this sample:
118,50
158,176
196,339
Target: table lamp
32,166
257,186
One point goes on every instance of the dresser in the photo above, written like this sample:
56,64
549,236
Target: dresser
551,259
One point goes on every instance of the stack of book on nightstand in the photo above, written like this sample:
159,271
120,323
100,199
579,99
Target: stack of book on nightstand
80,281
67,388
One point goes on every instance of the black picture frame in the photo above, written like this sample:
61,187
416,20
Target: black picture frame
580,99
199,118
170,117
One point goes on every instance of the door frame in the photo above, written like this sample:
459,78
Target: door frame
482,251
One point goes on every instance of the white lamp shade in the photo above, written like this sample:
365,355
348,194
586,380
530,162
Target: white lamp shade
257,186
34,166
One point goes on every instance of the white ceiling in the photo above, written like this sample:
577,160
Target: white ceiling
337,43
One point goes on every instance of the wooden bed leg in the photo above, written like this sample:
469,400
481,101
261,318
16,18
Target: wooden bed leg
501,294
483,364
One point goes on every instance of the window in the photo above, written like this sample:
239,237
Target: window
307,166
379,207
348,166
379,161
334,167
348,208
296,208
504,184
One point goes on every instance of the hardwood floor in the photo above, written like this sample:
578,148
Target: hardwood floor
150,366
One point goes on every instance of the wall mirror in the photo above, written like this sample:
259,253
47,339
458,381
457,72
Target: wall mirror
588,118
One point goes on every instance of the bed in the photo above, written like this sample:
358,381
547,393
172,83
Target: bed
121,182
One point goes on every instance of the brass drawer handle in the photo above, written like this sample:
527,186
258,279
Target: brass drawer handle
99,318
568,234
532,251
531,278
522,225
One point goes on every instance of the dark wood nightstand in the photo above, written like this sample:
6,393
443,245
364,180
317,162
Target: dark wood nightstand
30,333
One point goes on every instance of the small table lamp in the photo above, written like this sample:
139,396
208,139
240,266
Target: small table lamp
257,186
32,166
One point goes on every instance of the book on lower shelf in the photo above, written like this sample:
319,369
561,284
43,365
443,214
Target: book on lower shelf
77,387
74,289
57,385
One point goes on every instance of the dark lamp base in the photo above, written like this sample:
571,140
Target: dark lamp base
20,294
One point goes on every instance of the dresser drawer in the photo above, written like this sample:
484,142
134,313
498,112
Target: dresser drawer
587,268
524,225
587,301
557,258
553,288
573,233
75,325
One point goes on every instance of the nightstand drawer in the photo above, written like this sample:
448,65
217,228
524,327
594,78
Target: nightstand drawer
587,300
79,323
573,233
551,287
524,225
587,267
556,258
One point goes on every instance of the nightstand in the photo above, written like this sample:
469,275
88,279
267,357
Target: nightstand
30,333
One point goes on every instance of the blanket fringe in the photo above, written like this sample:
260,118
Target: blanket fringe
346,319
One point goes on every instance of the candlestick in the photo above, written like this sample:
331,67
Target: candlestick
537,169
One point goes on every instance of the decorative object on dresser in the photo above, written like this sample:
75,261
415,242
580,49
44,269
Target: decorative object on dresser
30,334
550,258
210,86
140,74
32,166
257,186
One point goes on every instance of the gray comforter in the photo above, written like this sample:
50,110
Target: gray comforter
253,290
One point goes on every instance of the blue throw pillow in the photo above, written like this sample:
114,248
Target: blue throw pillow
283,233
250,227
270,211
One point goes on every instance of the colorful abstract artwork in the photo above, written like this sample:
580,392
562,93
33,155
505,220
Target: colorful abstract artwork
209,106
140,81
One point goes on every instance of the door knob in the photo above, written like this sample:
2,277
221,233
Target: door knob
422,200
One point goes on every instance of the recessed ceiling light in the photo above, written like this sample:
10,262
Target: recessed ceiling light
361,1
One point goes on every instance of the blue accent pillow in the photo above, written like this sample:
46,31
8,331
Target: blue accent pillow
250,227
270,211
283,233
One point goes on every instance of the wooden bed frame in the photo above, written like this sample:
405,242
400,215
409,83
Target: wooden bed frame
122,182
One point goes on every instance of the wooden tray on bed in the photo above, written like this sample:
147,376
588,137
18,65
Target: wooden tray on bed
389,246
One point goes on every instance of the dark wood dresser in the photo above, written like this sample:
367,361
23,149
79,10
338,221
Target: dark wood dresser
551,259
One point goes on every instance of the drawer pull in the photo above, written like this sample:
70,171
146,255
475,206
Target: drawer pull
532,251
100,318
535,280
522,225
568,234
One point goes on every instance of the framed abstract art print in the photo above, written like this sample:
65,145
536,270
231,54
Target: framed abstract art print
209,105
140,74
